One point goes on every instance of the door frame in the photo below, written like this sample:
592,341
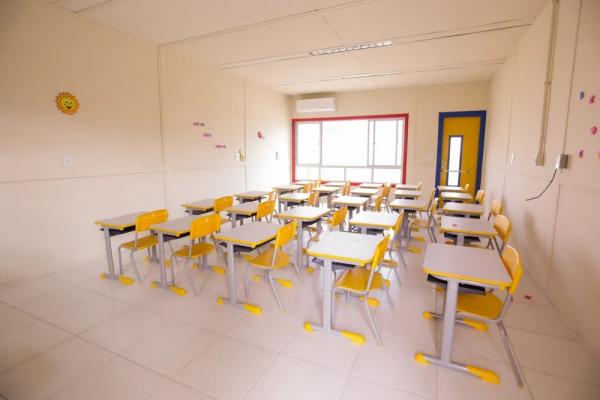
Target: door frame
443,115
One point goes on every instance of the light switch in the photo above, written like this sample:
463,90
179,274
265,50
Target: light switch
512,158
67,161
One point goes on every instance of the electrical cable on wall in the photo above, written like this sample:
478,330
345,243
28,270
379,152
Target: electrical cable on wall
546,188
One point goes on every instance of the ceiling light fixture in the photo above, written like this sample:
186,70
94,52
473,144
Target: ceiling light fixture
352,47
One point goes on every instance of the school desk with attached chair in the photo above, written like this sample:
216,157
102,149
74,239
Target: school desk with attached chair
407,194
282,189
450,189
368,221
242,211
459,265
352,202
253,195
244,238
467,229
468,210
292,198
407,186
326,191
305,217
199,207
113,227
353,249
456,196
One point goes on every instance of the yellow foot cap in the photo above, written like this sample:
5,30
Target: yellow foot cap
257,278
178,291
217,269
195,266
219,300
371,301
103,276
284,282
480,326
484,374
420,358
308,327
125,280
251,308
310,270
419,238
414,249
427,315
353,337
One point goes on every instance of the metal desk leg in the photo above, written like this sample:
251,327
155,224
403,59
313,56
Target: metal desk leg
233,220
447,335
109,255
299,237
460,239
162,262
232,300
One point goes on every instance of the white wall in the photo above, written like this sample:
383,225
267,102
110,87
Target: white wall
556,234
129,153
423,104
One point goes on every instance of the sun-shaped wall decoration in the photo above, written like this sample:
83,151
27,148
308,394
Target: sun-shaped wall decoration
67,103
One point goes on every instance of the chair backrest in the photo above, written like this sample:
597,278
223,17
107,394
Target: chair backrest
378,255
285,234
503,227
313,199
273,195
264,209
307,188
512,263
420,185
346,189
338,217
317,183
479,196
144,221
204,226
385,192
495,208
433,204
377,204
467,188
222,203
398,225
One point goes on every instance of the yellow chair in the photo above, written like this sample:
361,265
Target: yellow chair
197,249
346,189
361,281
396,246
336,221
467,188
273,195
504,228
273,259
495,209
313,199
307,188
142,223
385,193
429,223
220,205
376,206
490,308
265,210
420,185
479,196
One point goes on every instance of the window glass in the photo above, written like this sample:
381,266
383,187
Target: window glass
358,174
454,155
382,175
308,146
332,174
345,142
310,173
384,143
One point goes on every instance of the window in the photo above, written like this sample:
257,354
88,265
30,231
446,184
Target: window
355,148
454,156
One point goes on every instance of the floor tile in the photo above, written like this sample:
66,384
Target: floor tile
272,329
171,390
81,273
540,319
213,316
548,387
227,369
17,293
394,364
290,378
27,342
85,315
529,292
360,389
12,319
56,301
171,348
51,371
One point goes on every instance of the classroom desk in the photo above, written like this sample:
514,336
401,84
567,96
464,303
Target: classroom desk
409,207
170,230
374,220
407,194
294,198
253,195
352,202
335,184
304,182
304,216
241,211
251,235
346,247
407,186
371,185
199,207
112,227
462,227
287,188
450,189
456,196
364,192
459,264
465,209
326,191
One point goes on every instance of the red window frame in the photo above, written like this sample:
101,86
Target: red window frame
377,116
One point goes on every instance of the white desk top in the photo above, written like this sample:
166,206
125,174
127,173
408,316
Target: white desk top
336,184
326,189
121,222
456,196
175,227
466,264
248,208
407,186
253,194
371,185
251,234
202,205
407,204
403,193
288,187
304,213
468,226
463,208
362,191
347,247
372,219
450,189
350,201
294,197
305,182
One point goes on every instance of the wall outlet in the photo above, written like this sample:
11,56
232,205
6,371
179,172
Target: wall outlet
561,161
67,161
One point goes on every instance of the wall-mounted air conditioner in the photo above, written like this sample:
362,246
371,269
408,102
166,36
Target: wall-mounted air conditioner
321,104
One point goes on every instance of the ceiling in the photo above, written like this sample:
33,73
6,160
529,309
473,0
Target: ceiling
269,41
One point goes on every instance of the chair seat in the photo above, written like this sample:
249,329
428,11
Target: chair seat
264,260
419,223
487,306
356,280
198,250
142,243
225,220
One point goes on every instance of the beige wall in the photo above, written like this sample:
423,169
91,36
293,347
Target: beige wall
556,234
423,104
129,153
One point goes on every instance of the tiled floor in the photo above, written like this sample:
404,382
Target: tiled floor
71,335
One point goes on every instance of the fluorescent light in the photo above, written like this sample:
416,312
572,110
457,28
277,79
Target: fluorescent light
351,47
